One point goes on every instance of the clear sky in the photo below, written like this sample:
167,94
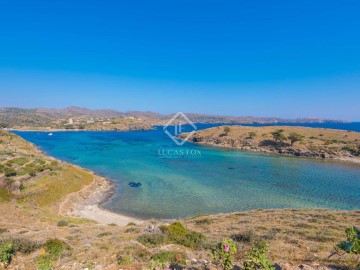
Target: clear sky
262,58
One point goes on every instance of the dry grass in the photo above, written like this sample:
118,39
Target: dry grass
293,236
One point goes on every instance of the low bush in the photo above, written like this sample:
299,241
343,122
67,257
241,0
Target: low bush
352,243
132,230
9,172
99,235
257,258
124,260
7,252
245,237
223,253
55,248
151,240
170,257
176,233
5,194
204,221
19,161
62,223
21,245
44,262
353,149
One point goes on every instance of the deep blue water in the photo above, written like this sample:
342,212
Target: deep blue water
204,180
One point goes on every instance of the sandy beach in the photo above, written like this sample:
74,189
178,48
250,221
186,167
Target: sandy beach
86,204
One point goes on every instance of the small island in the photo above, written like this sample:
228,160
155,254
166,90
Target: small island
284,140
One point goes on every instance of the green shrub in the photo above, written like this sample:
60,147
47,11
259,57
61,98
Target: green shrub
252,135
295,137
204,221
5,194
154,265
54,163
7,252
352,243
151,240
176,233
226,130
257,258
171,257
62,223
245,237
132,230
19,161
21,245
353,149
44,262
9,172
99,235
55,248
40,161
124,260
278,135
223,253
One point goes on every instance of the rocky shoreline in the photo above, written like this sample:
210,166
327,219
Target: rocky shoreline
312,142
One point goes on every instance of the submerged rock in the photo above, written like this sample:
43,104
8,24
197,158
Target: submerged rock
134,184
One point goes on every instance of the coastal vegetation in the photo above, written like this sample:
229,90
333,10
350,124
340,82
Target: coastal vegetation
286,140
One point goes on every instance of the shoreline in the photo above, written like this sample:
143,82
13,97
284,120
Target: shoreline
336,159
76,130
86,203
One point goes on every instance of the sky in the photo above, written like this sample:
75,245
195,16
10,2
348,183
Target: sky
286,59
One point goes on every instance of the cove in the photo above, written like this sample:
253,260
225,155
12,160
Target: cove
201,179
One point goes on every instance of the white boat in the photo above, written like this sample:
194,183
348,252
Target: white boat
50,134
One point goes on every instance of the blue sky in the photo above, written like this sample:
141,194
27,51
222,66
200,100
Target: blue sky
262,58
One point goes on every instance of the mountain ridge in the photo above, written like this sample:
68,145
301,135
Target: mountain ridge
38,117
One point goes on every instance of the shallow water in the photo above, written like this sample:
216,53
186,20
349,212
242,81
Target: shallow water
204,180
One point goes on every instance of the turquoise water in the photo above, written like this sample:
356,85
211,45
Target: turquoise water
206,180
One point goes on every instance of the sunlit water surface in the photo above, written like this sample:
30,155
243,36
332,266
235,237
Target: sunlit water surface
204,180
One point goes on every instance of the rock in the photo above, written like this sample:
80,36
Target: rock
152,229
135,185
306,267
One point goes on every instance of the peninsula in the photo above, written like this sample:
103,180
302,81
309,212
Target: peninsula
284,140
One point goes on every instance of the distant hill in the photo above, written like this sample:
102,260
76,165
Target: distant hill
59,118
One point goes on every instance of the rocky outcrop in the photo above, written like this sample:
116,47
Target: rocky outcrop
330,144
